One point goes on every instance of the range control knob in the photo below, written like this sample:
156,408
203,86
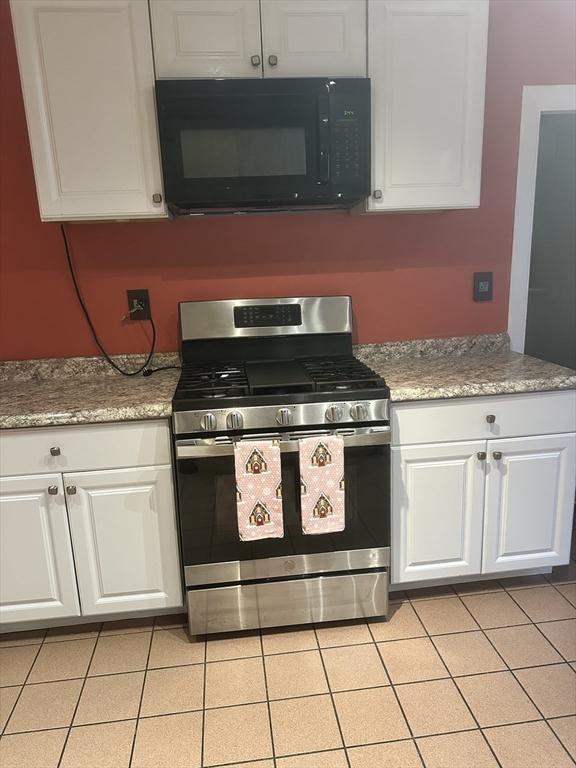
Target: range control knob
284,416
333,413
234,420
208,421
359,412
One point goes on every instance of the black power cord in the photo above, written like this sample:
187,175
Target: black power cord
143,368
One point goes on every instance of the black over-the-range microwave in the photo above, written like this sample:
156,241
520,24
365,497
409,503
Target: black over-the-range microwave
264,144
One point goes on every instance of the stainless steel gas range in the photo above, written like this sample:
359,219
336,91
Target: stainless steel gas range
278,369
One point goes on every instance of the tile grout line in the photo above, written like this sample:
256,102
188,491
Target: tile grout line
511,671
410,731
268,707
79,697
472,715
203,728
3,732
141,696
284,698
332,694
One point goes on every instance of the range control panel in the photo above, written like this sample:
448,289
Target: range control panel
266,315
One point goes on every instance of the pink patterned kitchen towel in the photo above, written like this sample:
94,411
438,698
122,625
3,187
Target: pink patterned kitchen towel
322,484
258,489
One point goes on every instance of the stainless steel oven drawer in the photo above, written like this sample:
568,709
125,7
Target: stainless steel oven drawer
280,603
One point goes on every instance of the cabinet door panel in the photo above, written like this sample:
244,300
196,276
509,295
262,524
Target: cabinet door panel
124,533
427,61
37,579
314,38
529,502
437,508
206,38
88,83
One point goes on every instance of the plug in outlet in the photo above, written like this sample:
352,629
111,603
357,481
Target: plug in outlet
138,304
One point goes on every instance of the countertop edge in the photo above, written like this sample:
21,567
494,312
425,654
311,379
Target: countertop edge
423,394
163,410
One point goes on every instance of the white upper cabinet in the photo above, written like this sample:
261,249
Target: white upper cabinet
123,526
248,38
437,502
529,502
206,38
37,579
427,63
314,38
88,82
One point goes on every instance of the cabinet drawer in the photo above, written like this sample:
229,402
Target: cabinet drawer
466,419
84,447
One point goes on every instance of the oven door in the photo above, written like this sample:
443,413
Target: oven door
212,550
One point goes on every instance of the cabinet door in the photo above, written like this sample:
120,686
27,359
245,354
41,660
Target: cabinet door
437,509
314,38
37,579
123,526
529,502
427,63
88,83
206,38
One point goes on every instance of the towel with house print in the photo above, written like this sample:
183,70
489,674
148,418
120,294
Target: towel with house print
258,489
322,484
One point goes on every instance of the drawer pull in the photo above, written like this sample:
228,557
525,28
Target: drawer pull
53,490
55,451
481,455
70,490
273,60
497,455
255,60
491,418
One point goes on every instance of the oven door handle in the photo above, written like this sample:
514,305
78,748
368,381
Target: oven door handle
184,450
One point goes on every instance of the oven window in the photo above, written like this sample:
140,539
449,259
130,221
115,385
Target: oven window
208,521
243,152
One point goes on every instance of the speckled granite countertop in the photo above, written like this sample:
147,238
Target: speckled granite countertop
40,393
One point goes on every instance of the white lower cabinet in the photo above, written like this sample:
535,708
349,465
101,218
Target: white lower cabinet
438,498
96,535
482,506
529,502
124,536
37,578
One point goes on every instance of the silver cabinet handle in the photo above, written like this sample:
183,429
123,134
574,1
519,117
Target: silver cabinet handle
71,490
53,490
255,60
157,197
497,455
55,451
377,194
490,418
273,60
481,455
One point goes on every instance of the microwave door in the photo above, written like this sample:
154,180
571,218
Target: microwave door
225,145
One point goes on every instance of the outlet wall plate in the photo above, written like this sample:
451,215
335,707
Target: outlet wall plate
483,286
138,304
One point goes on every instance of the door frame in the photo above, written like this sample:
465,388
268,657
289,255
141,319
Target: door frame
536,100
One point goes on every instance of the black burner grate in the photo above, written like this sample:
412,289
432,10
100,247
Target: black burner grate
340,374
213,380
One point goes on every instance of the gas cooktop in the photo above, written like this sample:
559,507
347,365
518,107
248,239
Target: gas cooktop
261,364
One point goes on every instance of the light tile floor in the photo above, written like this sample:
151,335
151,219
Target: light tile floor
479,676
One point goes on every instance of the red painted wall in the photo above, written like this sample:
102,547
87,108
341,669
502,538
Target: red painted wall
410,275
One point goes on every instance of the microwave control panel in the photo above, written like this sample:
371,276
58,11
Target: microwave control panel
346,118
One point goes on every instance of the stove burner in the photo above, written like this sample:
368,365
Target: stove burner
213,380
340,373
